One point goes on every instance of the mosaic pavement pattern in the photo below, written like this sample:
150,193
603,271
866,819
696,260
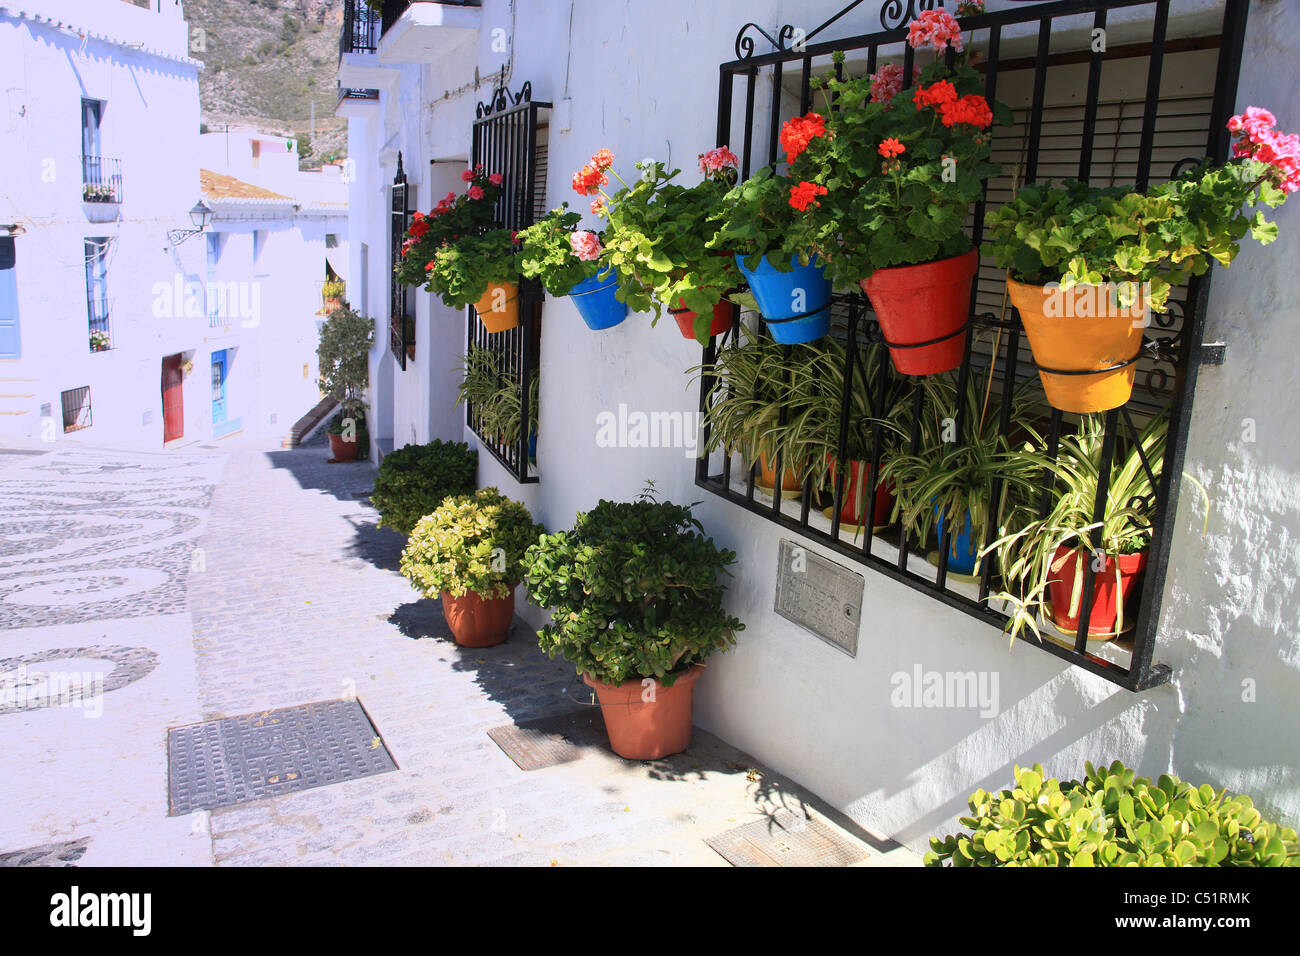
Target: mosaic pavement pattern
89,534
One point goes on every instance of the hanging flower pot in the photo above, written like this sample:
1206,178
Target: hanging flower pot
795,304
597,303
1104,614
647,729
478,622
1077,330
685,319
853,506
923,312
499,306
962,547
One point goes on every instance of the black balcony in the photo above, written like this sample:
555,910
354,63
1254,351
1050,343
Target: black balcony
360,32
393,9
347,94
101,179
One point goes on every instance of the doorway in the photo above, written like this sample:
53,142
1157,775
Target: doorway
172,398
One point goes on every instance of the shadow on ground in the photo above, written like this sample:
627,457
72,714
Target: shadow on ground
311,468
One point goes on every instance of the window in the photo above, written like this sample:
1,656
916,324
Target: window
10,341
331,240
401,329
213,291
91,113
76,408
98,307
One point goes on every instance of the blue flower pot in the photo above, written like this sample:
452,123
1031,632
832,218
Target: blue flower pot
532,446
962,548
778,293
595,300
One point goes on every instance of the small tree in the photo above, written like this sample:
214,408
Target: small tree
344,359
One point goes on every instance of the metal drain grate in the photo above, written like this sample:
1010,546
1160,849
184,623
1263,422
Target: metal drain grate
547,741
786,839
219,763
48,854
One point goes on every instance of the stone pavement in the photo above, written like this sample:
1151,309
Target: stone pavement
293,597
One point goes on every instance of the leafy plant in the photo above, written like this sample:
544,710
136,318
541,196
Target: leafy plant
463,268
343,358
453,218
99,341
546,252
756,219
472,542
1113,818
634,591
413,480
333,289
1027,555
494,395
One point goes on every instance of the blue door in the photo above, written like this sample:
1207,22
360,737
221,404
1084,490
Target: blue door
10,343
218,390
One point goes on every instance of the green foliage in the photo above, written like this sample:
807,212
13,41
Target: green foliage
494,396
545,253
452,219
904,210
472,542
657,240
413,480
634,591
756,219
1027,551
333,289
464,267
1075,233
1113,818
343,358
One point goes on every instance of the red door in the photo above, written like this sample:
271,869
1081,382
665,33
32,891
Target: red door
173,407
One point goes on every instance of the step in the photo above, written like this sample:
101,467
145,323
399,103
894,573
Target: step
303,426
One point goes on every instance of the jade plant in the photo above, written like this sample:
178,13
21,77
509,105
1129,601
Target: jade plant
1113,818
413,481
634,591
473,542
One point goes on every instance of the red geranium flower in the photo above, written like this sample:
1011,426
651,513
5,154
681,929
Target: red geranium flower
972,110
798,132
805,194
891,147
602,159
936,94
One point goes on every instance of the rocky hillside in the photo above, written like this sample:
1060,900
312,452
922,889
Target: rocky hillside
267,62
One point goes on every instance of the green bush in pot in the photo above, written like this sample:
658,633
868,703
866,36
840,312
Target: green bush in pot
1113,818
413,481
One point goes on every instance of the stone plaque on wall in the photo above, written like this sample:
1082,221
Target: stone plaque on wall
819,595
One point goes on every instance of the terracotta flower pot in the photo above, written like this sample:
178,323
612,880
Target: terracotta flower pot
686,319
1067,332
476,622
929,303
343,450
767,475
647,721
1101,622
852,507
499,307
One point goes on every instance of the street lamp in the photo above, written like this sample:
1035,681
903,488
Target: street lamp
200,215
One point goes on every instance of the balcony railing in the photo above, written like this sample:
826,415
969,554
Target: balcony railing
347,94
99,316
393,9
360,32
101,179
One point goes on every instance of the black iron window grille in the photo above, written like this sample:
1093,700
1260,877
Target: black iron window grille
361,28
101,179
1081,112
508,139
99,310
401,328
76,408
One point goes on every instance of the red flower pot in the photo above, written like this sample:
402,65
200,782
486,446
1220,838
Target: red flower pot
924,303
342,449
851,507
686,319
476,622
1101,622
647,721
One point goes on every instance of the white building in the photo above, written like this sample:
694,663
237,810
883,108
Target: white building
644,81
121,323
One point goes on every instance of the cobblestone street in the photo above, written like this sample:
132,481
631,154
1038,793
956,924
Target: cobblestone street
207,584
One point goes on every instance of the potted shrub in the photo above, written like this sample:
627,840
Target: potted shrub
657,239
636,608
414,479
567,260
1086,264
948,481
1044,559
343,360
896,172
759,224
468,552
331,292
1113,818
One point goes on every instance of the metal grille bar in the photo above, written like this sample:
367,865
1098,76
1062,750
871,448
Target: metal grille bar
399,333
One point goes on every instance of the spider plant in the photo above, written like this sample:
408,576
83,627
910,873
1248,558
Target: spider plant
952,475
1028,554
494,395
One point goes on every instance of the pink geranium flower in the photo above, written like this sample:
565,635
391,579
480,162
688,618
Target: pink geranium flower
938,28
585,245
1258,139
475,192
887,82
717,160
496,179
467,176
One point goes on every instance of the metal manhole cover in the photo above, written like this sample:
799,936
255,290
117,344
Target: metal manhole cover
786,839
219,763
556,739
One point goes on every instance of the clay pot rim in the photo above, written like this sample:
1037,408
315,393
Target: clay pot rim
689,675
902,274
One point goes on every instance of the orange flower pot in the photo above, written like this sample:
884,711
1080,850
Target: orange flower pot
476,622
1067,333
647,721
767,476
499,307
1101,620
